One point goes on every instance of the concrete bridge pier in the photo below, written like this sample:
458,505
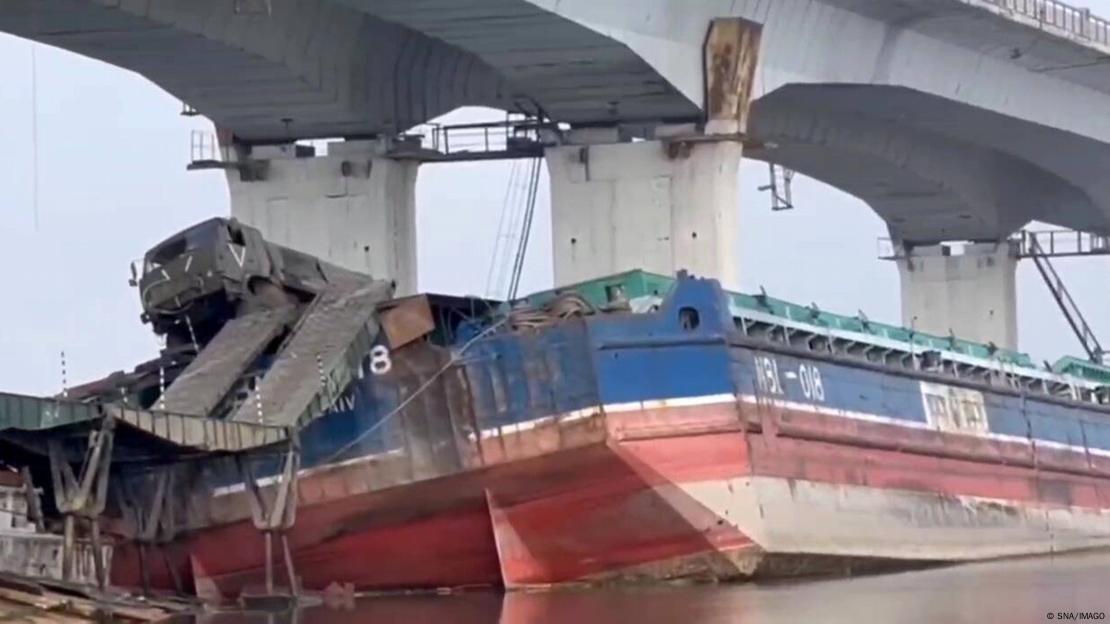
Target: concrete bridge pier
971,293
661,205
666,199
354,206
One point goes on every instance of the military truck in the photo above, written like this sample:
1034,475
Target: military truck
195,280
221,278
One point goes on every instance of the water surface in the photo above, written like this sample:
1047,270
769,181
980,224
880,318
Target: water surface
1018,591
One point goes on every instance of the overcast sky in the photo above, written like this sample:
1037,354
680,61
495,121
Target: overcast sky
112,151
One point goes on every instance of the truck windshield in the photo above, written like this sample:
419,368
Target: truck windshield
197,237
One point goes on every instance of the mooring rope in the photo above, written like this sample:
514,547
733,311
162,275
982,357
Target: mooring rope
456,357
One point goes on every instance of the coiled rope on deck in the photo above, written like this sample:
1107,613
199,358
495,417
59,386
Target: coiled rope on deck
559,309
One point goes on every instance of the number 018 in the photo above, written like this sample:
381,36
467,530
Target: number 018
810,378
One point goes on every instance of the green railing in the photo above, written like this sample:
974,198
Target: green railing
604,292
34,413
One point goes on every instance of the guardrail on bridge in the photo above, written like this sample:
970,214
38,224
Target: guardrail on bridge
1077,21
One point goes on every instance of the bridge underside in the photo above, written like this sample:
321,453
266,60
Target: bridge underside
270,70
932,168
952,119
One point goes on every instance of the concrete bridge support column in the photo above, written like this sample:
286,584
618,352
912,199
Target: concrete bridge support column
655,205
664,204
353,207
971,294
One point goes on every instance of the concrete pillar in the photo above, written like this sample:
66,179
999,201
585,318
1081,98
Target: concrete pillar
352,207
653,205
973,294
666,204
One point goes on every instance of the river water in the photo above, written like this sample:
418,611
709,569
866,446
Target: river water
1067,588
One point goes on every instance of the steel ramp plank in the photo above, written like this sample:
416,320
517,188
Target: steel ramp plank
198,390
322,339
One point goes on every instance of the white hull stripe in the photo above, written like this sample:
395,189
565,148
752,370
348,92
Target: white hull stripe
798,406
681,402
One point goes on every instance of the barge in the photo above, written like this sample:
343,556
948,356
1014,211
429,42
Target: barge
634,428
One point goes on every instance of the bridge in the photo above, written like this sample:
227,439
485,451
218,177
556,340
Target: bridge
953,119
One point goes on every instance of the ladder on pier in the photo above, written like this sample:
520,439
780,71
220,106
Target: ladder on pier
779,185
1064,299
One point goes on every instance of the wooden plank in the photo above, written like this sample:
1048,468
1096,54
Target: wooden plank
92,610
17,613
61,607
42,601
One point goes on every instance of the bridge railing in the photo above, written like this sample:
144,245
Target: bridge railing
1060,243
1026,244
516,137
1075,20
205,147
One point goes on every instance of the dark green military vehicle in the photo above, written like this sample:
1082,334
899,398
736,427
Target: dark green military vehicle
193,281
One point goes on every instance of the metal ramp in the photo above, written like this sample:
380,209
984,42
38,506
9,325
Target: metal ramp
321,357
198,390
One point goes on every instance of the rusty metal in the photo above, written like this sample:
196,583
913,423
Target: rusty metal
34,503
405,320
151,514
279,514
731,57
84,496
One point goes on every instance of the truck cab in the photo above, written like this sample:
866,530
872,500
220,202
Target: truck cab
201,273
194,281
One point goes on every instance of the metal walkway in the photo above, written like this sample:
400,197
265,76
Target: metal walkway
43,415
220,365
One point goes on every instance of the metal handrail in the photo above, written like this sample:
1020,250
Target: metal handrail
205,147
1067,304
519,136
1074,20
1061,243
1027,244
